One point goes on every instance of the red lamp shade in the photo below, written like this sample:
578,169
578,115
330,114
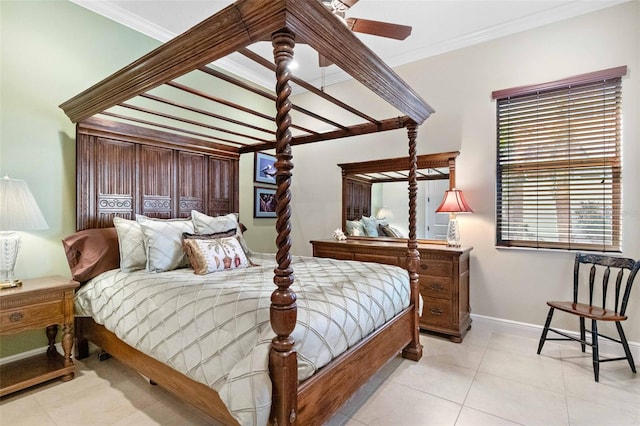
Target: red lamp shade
454,202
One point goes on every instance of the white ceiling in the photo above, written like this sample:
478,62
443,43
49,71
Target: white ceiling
439,26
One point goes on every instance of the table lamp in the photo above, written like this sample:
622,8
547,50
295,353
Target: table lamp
384,213
453,203
18,212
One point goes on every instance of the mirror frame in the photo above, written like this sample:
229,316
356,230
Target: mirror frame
426,161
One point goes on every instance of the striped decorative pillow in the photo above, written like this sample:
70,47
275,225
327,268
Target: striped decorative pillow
208,255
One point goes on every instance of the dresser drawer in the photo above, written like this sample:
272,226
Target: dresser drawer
339,255
377,258
33,316
439,287
439,268
436,312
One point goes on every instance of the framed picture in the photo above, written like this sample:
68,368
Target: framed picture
264,202
264,168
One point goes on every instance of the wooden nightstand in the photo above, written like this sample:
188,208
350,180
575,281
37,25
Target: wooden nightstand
39,303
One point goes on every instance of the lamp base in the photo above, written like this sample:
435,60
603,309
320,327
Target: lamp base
453,235
10,284
9,246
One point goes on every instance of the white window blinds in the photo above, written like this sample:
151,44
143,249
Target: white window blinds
559,164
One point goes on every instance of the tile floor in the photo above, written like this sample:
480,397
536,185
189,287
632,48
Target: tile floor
492,378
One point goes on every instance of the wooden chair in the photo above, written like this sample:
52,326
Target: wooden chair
612,309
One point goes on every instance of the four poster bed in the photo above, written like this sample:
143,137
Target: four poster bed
128,167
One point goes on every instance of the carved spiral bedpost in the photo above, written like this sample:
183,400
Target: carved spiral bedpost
283,365
413,350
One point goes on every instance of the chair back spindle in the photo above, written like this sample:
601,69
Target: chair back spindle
592,278
605,287
619,286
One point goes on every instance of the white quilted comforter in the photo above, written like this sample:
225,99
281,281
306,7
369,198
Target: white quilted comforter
215,328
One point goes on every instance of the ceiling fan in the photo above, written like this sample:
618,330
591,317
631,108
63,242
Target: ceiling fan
366,26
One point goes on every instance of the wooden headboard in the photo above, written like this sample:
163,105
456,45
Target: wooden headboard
124,170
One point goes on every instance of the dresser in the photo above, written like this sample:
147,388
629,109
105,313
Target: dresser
443,274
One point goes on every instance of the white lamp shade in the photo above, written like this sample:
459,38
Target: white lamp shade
18,209
384,213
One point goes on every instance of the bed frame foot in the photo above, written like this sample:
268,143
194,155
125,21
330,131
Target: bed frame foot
103,356
412,352
82,348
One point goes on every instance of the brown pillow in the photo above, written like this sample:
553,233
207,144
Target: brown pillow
91,252
213,236
392,232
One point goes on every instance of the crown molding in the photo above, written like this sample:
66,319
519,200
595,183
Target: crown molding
549,16
112,11
118,14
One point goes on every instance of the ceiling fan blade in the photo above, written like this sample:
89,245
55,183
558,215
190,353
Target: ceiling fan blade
323,61
377,28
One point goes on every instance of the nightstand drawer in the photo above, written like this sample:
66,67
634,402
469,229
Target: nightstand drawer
439,287
33,316
440,268
436,312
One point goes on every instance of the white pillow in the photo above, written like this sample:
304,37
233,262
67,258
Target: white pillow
133,256
204,224
163,242
355,228
370,226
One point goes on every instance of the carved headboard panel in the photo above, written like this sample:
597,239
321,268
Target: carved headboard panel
358,198
122,170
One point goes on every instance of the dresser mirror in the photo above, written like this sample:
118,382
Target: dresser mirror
374,195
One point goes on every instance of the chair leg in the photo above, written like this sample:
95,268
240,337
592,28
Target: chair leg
594,349
582,334
543,337
625,345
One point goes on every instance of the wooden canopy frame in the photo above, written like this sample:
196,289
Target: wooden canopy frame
233,29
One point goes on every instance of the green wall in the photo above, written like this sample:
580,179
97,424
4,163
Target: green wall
50,51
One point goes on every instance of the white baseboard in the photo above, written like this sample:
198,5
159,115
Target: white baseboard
533,331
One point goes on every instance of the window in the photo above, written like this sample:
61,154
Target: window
559,163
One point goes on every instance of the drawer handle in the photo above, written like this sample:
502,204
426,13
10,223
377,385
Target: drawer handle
16,316
435,311
436,287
